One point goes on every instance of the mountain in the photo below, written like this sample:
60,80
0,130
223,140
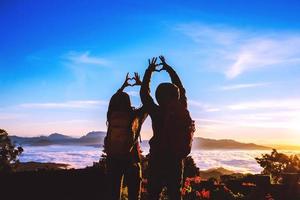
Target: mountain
94,138
57,136
217,172
200,143
205,143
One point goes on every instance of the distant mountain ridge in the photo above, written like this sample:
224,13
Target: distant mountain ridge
206,143
58,136
96,138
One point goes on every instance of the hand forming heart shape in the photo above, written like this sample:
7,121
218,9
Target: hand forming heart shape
131,81
162,68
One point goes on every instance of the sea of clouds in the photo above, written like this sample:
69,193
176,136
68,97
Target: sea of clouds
82,156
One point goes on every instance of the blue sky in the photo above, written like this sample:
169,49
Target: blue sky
60,62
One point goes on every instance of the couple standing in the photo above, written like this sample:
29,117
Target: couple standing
173,130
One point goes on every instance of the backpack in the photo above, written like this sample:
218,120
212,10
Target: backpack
179,129
121,134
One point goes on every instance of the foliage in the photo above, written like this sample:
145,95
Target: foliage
8,152
275,164
194,188
190,167
101,164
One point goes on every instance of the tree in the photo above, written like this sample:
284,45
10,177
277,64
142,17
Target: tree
190,167
8,152
275,164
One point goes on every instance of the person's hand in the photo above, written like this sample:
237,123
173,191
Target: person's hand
152,64
137,79
163,63
163,60
125,84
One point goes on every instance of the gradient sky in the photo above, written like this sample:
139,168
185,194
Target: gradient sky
60,62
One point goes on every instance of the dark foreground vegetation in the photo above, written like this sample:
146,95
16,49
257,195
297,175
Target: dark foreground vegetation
279,179
91,183
54,184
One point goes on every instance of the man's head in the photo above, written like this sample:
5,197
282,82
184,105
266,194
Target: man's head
166,93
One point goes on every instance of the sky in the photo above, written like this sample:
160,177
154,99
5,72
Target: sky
61,61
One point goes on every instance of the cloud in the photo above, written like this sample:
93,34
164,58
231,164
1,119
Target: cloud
203,106
243,86
235,51
84,66
269,117
209,121
11,116
263,122
86,58
267,104
264,52
133,93
204,34
67,104
274,119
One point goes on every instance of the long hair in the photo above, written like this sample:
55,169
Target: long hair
119,102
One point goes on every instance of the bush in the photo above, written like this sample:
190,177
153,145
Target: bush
194,188
276,164
8,152
190,168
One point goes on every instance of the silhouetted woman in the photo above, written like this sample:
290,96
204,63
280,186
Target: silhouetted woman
121,143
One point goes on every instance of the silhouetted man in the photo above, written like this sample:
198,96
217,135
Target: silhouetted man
172,132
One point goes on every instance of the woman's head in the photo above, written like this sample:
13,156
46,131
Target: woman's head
166,93
119,102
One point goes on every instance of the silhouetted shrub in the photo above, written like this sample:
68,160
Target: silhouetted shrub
101,164
190,167
8,152
276,164
194,188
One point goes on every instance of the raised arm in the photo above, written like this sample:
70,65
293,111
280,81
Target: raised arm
146,98
175,80
140,113
125,84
